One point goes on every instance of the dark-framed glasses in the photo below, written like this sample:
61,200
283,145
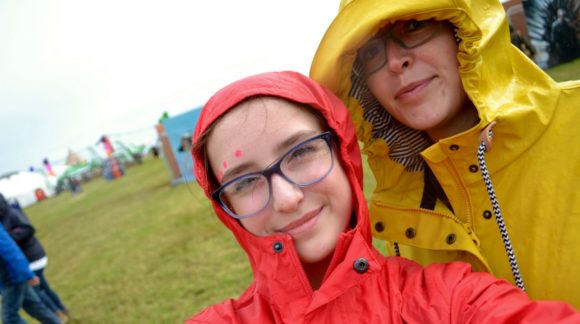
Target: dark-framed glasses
407,34
305,164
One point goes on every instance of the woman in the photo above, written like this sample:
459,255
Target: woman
277,155
460,128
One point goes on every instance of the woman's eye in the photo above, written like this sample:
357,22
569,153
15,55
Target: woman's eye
370,51
414,25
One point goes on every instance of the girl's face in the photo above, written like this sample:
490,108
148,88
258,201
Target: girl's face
259,132
420,86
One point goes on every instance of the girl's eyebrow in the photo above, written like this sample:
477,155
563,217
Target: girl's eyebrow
233,172
281,147
295,139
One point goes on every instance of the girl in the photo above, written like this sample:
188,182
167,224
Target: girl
431,86
277,155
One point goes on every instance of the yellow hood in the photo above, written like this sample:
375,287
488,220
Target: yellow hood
497,77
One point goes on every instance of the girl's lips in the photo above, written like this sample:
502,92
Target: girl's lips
411,89
302,224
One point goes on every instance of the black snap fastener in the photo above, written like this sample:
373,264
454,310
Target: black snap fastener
278,247
451,238
487,214
473,168
454,147
379,226
410,232
361,265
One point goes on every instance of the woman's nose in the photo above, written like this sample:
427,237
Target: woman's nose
398,58
286,196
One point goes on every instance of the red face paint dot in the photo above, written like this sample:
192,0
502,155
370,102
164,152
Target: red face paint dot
220,175
238,153
225,164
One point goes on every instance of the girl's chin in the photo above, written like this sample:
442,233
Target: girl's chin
314,255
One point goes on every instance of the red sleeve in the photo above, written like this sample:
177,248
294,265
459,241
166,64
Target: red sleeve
220,313
451,293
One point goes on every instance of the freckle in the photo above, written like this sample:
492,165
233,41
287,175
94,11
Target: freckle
238,153
225,164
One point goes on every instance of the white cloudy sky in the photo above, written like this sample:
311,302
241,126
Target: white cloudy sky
73,70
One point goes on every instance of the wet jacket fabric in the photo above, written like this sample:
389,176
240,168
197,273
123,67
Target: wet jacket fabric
21,230
533,158
360,285
13,265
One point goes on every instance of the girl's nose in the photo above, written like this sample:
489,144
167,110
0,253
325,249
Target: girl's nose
286,196
398,58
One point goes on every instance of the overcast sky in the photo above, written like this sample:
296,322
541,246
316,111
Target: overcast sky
73,70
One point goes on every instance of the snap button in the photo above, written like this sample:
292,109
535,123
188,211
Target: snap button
361,265
451,238
473,168
487,214
379,226
454,147
278,247
410,232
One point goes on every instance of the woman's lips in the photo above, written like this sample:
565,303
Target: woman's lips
302,224
410,90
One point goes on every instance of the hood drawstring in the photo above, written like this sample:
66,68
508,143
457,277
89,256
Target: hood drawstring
485,146
396,248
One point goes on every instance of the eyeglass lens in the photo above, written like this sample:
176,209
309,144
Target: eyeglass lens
406,34
305,164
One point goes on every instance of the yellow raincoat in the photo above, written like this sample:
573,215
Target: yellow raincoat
533,159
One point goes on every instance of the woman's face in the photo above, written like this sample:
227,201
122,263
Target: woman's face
259,132
421,87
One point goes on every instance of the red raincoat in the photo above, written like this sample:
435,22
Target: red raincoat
360,285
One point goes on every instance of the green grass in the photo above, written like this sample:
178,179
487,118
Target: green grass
566,72
136,250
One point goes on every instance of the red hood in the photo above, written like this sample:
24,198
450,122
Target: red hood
298,88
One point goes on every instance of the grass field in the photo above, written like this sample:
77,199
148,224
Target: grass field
565,72
136,250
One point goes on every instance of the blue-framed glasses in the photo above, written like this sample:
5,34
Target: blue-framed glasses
407,34
305,164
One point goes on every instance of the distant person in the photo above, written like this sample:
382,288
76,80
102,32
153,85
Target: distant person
21,230
15,204
75,185
155,151
15,281
277,155
521,42
563,36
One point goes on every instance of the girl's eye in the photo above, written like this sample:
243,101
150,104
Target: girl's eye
303,151
244,184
